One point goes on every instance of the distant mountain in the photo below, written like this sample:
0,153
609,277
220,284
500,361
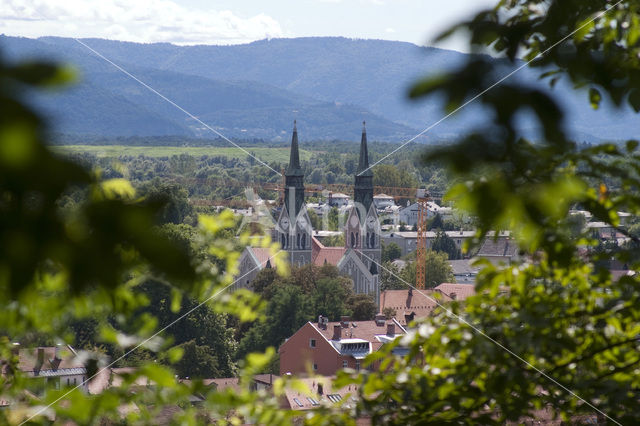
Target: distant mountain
107,102
256,89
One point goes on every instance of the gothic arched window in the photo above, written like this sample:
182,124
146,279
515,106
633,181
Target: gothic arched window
304,240
298,240
353,240
283,241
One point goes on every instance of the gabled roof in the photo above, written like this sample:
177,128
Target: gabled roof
503,247
321,392
406,302
364,330
463,266
457,291
320,254
43,361
261,256
351,254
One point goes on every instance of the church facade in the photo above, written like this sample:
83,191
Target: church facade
360,256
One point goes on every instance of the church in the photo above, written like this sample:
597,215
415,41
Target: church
360,256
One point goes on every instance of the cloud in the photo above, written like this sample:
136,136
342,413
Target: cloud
389,30
139,20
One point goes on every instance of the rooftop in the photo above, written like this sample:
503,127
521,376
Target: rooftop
320,254
358,332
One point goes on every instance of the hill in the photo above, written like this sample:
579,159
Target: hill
255,90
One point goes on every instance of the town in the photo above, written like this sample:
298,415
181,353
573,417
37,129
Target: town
319,213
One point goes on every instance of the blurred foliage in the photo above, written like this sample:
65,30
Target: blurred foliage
554,332
76,249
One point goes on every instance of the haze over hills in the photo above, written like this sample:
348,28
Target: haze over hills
255,90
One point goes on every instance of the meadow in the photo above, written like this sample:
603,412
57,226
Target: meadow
265,154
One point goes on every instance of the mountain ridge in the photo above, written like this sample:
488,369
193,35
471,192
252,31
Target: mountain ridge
329,84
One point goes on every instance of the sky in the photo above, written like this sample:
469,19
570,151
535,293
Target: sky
237,21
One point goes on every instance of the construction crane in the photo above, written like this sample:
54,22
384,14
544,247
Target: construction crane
422,197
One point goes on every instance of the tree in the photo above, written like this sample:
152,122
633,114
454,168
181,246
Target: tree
390,252
363,307
390,175
316,222
550,338
438,270
435,223
176,208
391,277
83,264
334,240
445,244
334,219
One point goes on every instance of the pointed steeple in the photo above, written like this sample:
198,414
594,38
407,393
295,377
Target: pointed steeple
363,191
363,163
294,179
294,168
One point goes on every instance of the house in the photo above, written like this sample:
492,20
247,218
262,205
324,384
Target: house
409,214
321,393
326,347
500,250
463,271
55,367
407,240
338,199
407,305
383,201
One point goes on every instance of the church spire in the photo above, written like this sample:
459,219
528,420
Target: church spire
294,179
363,163
363,191
294,157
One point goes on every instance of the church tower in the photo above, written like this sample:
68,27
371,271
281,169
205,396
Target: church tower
294,226
363,225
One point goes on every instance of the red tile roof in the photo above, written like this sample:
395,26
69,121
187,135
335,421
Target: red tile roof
321,254
44,358
406,302
365,330
263,255
457,291
325,394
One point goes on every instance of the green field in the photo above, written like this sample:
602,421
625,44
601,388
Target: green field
265,154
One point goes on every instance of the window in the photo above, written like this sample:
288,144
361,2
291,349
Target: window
315,367
345,364
312,401
283,241
353,240
298,240
357,365
334,397
312,343
304,240
297,401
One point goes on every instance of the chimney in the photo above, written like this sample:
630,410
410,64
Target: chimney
15,349
344,320
40,361
58,351
391,329
380,319
337,332
322,322
453,296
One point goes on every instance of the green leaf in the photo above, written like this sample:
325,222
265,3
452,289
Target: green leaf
594,97
634,100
